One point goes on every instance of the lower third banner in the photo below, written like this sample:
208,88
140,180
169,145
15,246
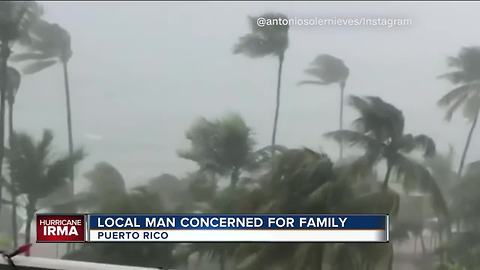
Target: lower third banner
223,228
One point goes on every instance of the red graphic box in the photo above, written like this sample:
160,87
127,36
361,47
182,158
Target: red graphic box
60,228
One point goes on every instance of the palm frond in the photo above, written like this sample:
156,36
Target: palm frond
43,146
377,118
457,93
38,66
416,176
467,65
454,77
28,56
354,138
252,45
384,201
421,141
59,170
329,69
311,82
453,107
51,40
472,107
266,40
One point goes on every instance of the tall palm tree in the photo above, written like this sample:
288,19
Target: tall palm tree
266,40
34,173
50,44
380,131
329,70
221,147
466,94
14,79
16,18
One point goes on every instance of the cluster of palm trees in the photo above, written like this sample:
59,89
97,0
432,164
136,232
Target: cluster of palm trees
32,174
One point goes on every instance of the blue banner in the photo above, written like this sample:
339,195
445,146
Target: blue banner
237,222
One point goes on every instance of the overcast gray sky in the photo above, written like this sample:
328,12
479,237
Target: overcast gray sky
141,72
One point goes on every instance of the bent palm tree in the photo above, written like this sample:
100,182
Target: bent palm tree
50,44
34,174
263,41
15,21
380,131
223,146
328,70
466,94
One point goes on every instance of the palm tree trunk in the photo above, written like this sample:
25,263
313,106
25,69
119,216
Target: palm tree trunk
30,209
70,132
467,144
13,193
387,175
5,53
28,228
69,116
342,93
277,107
14,218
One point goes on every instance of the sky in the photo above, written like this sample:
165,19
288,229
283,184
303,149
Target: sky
142,72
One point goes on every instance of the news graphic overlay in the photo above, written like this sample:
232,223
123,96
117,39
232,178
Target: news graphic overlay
212,228
60,228
238,228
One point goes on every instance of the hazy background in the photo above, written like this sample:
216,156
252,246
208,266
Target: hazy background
142,72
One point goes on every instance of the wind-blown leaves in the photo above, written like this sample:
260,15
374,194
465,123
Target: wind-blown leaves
32,170
38,66
222,146
456,93
424,142
377,118
467,76
354,138
381,135
472,107
266,40
328,69
416,176
28,56
467,64
17,17
49,43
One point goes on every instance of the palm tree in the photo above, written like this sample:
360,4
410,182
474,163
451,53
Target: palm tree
270,39
50,45
14,79
306,182
107,194
329,70
16,17
34,173
466,94
380,131
223,146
